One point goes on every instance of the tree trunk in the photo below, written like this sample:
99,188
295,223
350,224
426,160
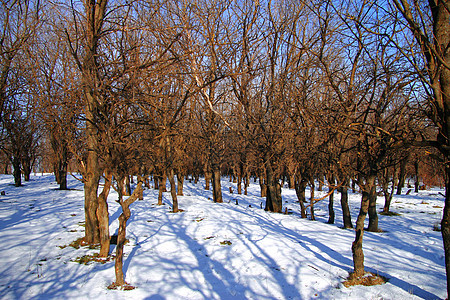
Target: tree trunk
331,214
161,187
17,171
373,216
103,215
180,180
311,199
26,167
445,227
274,202
263,187
300,188
416,171
173,190
347,217
239,184
127,186
402,177
357,246
121,236
217,187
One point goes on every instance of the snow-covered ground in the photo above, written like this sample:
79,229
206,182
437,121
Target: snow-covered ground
215,251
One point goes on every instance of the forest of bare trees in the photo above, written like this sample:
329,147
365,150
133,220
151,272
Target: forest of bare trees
348,94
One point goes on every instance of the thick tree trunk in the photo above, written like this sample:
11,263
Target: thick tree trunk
103,215
445,227
357,246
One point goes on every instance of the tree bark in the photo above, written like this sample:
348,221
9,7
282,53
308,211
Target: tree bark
347,217
402,177
217,187
373,216
121,236
17,171
357,246
103,215
161,187
274,201
180,180
300,188
173,190
331,214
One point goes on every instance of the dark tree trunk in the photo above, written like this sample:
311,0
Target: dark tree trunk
300,188
402,177
26,167
217,187
347,217
331,214
311,199
445,227
127,186
17,171
274,202
416,171
103,215
373,216
357,246
388,194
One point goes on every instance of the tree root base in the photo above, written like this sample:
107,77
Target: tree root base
123,287
368,279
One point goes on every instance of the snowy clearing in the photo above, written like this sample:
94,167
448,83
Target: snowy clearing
215,251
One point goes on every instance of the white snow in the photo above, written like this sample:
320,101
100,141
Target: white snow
187,255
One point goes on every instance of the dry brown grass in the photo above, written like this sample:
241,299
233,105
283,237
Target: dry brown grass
368,279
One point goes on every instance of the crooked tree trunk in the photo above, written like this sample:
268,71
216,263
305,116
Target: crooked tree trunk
121,236
416,177
103,215
357,246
